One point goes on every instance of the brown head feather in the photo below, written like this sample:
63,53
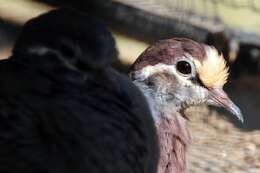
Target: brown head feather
166,51
211,67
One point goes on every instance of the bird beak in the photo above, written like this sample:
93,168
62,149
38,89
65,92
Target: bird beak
218,97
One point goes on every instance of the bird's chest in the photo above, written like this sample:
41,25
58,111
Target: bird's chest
174,138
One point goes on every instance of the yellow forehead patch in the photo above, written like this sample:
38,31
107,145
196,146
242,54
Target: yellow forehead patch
213,71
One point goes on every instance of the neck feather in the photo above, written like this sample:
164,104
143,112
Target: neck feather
174,138
172,130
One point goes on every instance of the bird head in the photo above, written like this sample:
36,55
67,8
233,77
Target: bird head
178,73
74,37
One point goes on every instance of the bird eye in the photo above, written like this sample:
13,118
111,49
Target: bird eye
184,67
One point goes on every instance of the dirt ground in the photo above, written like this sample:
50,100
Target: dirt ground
219,146
222,144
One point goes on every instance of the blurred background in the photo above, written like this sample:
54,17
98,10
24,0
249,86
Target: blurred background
220,143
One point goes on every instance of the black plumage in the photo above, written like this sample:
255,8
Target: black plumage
63,108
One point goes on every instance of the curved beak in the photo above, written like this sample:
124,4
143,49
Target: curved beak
218,97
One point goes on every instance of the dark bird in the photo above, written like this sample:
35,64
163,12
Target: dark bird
173,75
63,109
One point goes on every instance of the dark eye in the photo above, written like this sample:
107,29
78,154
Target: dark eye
184,67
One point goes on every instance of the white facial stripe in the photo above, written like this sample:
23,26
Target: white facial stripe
160,68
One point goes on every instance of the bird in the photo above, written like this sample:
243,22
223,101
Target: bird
64,109
175,74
